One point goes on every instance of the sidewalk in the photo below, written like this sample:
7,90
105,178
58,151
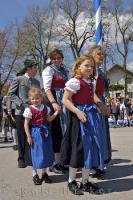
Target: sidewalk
16,183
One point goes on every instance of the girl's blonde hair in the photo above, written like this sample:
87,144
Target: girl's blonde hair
76,71
34,91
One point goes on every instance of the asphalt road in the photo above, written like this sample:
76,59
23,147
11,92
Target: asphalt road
16,183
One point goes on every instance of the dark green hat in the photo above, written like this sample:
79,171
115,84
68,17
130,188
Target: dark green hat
29,63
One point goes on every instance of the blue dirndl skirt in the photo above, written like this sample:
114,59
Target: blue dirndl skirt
82,144
42,155
91,137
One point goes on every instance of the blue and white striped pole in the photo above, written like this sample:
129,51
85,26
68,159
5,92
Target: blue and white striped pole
98,18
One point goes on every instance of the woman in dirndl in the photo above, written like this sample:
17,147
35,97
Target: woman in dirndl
101,87
54,78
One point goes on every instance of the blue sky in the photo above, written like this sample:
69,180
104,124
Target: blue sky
11,10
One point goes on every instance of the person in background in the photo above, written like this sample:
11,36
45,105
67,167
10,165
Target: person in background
5,119
18,92
1,98
101,86
115,109
82,145
38,135
12,118
54,78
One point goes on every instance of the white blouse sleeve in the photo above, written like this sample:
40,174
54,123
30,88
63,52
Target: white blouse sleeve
27,113
47,76
72,85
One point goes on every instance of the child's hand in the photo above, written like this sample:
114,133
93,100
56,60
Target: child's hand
29,140
56,113
82,116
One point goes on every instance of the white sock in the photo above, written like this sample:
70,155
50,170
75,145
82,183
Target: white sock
15,137
34,172
44,170
57,158
85,175
72,174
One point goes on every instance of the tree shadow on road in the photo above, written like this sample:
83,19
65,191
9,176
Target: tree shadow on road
118,161
63,178
116,171
119,185
114,150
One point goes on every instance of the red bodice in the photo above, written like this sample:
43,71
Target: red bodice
100,86
39,117
58,82
85,95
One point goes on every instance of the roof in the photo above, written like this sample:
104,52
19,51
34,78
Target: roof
120,68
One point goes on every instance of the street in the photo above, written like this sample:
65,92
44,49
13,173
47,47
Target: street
16,183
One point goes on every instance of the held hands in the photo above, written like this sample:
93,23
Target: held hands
56,113
81,115
56,107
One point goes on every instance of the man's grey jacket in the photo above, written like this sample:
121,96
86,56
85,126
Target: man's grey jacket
18,92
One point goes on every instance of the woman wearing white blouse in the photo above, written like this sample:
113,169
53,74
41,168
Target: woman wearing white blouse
54,78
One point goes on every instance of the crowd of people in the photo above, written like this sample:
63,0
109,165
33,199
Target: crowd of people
64,125
121,112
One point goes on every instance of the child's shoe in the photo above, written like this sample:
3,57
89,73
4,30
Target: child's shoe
37,180
91,188
46,178
75,188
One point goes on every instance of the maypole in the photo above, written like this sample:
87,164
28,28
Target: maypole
98,19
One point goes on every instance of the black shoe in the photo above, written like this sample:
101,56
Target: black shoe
37,180
46,178
99,173
15,147
57,169
21,164
75,188
91,188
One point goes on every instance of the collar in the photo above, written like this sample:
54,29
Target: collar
40,108
88,81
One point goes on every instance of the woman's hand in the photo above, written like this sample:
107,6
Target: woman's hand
56,107
29,140
81,115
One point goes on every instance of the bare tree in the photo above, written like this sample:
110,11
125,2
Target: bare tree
9,52
37,29
124,30
75,25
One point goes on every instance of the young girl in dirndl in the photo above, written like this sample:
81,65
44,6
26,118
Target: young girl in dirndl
38,135
81,146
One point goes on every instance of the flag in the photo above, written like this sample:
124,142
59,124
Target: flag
98,19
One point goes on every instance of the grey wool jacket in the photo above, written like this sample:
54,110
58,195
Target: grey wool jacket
18,92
